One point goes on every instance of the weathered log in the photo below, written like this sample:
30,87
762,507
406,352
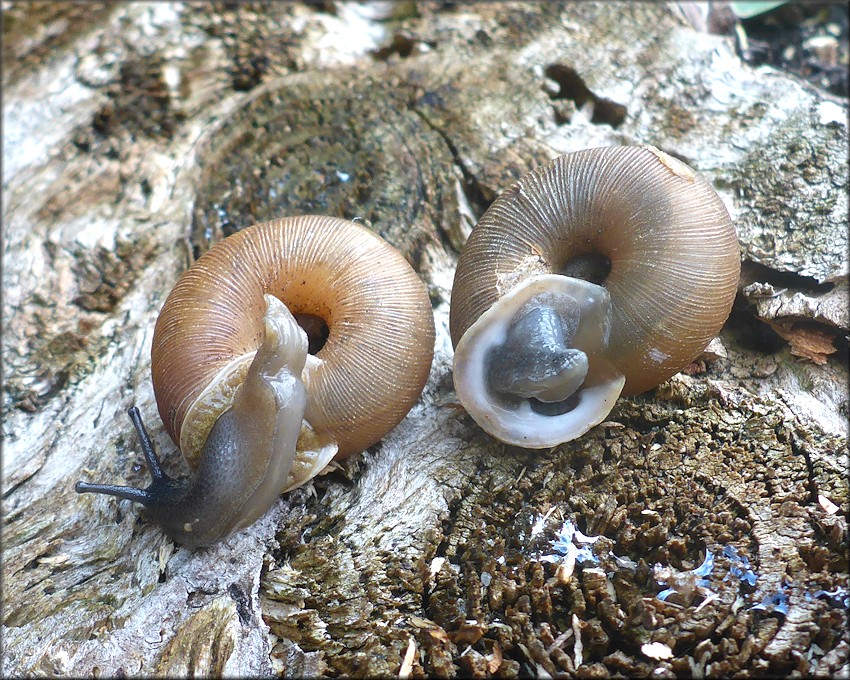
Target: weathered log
138,134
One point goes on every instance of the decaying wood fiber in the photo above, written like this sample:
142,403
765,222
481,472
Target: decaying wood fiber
135,135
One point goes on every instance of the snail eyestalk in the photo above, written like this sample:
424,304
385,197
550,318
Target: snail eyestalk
162,487
247,457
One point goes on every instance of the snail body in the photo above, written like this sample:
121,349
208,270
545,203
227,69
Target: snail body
624,245
252,411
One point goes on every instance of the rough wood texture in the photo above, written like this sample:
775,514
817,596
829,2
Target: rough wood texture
137,134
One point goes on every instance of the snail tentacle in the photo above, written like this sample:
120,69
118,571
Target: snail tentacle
253,413
163,490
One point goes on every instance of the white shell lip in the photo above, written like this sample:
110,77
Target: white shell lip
523,426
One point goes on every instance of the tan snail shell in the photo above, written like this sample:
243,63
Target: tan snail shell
236,388
378,352
644,248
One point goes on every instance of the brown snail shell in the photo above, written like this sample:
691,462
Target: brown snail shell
378,353
252,412
633,220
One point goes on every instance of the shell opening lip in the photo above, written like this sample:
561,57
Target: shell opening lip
548,417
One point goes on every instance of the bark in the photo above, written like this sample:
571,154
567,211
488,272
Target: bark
138,134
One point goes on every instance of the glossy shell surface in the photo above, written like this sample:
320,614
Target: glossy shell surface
378,353
673,252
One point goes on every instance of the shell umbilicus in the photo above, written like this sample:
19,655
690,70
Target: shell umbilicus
250,409
604,272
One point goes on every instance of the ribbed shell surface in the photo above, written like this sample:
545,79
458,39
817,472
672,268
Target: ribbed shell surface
672,246
381,331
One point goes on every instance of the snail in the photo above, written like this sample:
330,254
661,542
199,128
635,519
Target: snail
253,412
602,273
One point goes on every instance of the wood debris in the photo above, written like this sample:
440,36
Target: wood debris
807,340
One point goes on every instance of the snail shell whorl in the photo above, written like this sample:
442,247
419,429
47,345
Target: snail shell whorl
381,331
673,251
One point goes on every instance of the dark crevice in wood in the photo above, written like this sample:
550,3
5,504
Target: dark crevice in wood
571,86
470,185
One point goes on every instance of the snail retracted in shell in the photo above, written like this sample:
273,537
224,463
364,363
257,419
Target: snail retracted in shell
603,272
252,411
